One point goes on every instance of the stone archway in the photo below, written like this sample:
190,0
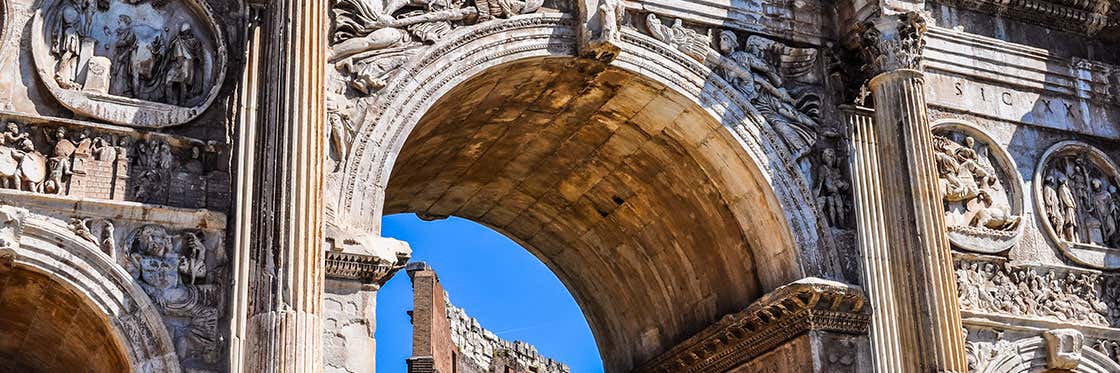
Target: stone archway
654,191
117,326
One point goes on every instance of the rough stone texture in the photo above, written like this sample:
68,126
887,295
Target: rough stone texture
348,326
446,339
483,348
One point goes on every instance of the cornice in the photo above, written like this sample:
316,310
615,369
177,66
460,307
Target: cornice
809,304
1086,17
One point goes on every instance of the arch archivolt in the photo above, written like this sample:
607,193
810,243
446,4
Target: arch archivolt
46,246
468,52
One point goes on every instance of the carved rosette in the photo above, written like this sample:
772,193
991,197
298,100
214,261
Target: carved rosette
981,192
893,42
1076,197
139,63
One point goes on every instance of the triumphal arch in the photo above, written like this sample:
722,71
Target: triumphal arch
723,185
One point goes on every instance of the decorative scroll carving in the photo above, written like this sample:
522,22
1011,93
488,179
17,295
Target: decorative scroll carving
981,193
175,271
789,311
893,42
1055,350
111,165
373,38
160,65
779,80
1076,194
1079,297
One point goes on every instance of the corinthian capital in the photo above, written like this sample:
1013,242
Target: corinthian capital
893,42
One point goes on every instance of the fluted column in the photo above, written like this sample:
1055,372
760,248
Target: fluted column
874,244
924,287
286,252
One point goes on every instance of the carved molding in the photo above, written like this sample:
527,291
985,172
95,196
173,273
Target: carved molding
893,42
1059,349
809,304
358,257
1085,17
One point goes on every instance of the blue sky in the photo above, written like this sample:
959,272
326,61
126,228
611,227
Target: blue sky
506,288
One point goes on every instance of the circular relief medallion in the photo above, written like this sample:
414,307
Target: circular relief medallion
980,190
1075,193
140,63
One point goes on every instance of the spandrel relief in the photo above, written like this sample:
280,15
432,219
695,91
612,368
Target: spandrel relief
141,63
781,81
182,272
981,193
371,39
1076,193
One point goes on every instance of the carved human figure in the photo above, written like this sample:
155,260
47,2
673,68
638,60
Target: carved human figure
611,15
1052,204
66,42
338,128
184,55
60,163
189,309
831,187
759,80
1068,231
124,81
1103,226
490,9
12,136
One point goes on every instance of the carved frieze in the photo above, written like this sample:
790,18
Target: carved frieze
140,63
993,286
80,161
980,189
1078,203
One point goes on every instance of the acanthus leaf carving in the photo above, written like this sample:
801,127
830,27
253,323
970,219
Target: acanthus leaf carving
893,42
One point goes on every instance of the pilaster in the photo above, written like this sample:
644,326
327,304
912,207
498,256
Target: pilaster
923,283
285,279
874,244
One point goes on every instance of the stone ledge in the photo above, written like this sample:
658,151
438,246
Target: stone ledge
358,257
809,304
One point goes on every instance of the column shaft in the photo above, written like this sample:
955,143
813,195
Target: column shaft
286,255
919,250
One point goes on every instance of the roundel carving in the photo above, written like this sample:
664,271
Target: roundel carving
980,189
1075,194
140,63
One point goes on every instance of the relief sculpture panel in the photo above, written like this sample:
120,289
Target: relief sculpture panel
1076,191
139,63
981,192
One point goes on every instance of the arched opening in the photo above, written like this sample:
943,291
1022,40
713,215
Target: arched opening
639,199
48,327
494,281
